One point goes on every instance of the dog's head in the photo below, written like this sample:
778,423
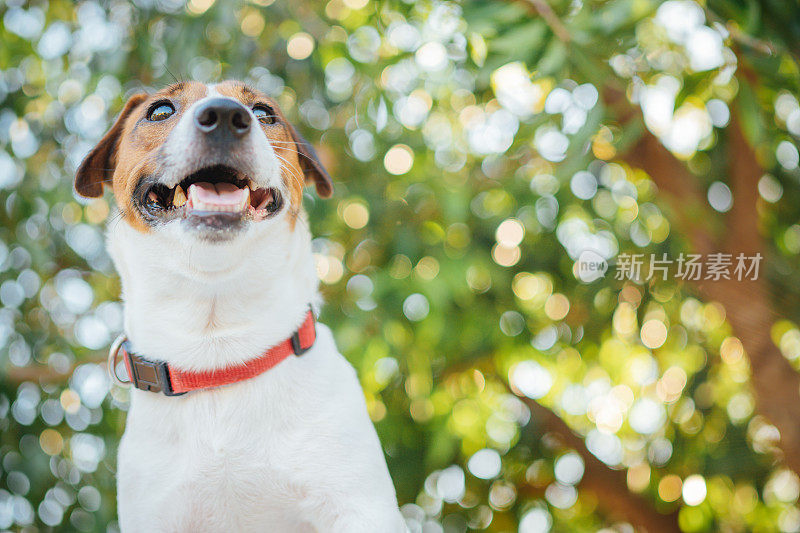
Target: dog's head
206,161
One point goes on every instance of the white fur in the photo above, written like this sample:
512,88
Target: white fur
290,450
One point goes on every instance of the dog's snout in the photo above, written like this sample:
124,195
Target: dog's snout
222,115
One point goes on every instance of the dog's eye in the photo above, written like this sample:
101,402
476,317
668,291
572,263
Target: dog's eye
265,114
160,111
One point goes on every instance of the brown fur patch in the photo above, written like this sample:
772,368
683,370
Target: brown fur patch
139,143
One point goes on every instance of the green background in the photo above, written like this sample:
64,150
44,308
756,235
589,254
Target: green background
477,149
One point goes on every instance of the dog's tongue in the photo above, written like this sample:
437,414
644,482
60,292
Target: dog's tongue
206,196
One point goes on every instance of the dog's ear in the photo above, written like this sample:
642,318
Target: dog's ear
311,165
97,167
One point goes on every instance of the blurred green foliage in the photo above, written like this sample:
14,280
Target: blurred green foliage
478,148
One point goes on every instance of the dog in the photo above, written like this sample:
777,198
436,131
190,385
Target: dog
243,414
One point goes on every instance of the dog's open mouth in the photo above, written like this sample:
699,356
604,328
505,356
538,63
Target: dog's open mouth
212,191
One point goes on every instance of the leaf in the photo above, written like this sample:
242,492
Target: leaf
487,17
750,114
522,42
553,60
616,16
692,86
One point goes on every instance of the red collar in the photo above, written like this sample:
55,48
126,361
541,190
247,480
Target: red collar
158,376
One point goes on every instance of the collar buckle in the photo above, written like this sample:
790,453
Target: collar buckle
297,346
148,375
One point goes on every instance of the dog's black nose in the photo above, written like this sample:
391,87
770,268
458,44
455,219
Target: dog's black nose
222,114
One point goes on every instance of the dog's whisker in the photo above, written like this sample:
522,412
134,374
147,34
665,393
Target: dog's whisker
292,172
288,149
289,170
300,182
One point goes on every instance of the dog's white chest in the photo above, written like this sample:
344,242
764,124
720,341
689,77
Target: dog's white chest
208,484
291,450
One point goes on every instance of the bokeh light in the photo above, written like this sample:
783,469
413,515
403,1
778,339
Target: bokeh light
484,155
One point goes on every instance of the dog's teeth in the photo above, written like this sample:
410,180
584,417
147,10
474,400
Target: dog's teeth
179,198
252,185
246,199
194,195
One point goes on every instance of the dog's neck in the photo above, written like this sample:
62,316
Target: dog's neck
200,305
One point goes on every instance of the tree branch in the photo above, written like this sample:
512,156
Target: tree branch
748,302
609,486
40,373
687,202
551,19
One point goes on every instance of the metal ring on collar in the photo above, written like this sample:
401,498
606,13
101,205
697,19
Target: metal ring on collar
113,355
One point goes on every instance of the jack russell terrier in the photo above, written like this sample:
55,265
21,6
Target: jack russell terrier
243,415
